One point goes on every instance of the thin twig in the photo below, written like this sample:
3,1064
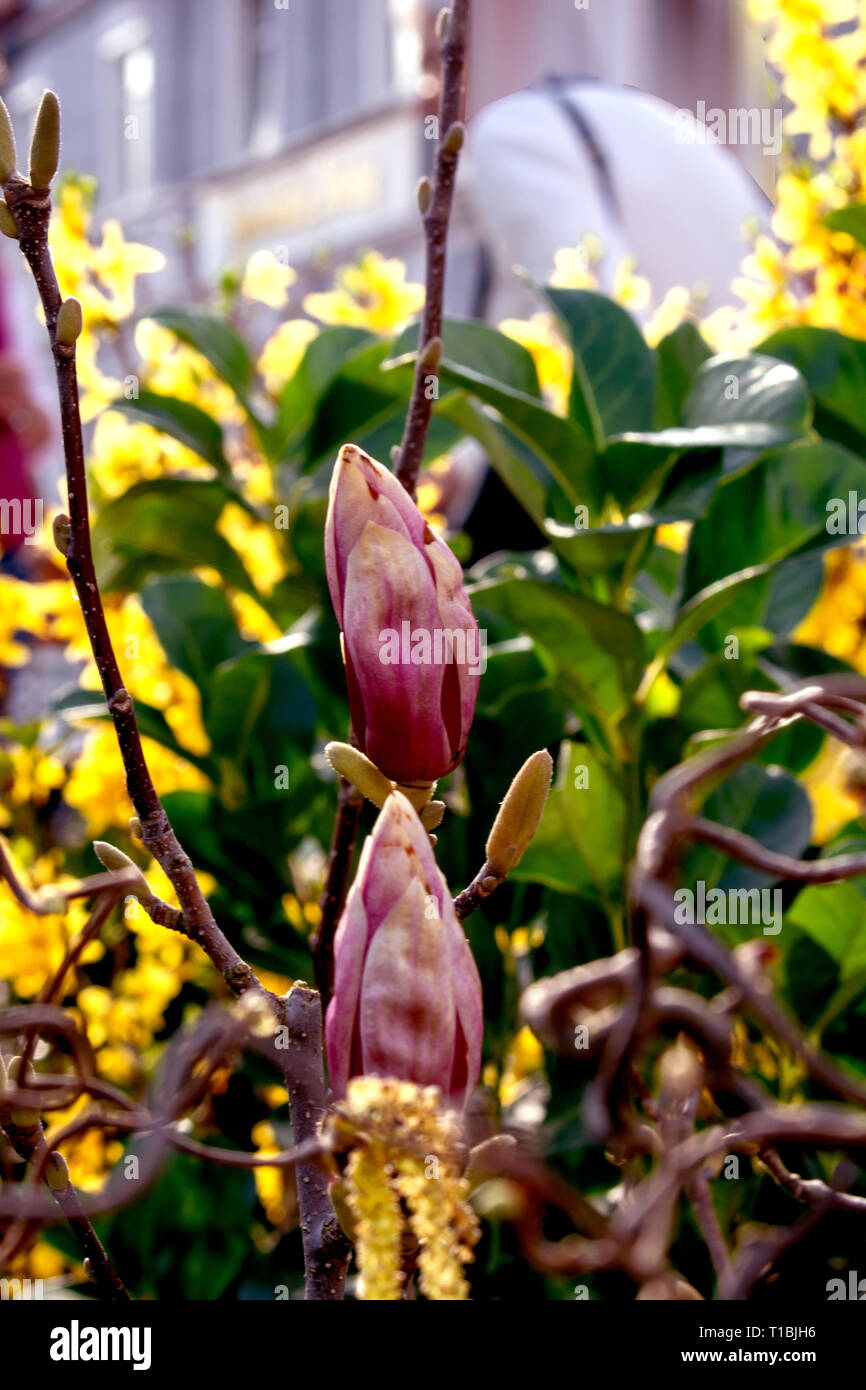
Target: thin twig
333,897
326,1248
436,218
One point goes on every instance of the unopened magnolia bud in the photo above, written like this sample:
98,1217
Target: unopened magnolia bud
432,354
423,193
25,1119
356,768
61,528
520,813
432,813
69,322
110,857
442,21
45,144
454,135
680,1072
8,153
56,1172
135,827
8,225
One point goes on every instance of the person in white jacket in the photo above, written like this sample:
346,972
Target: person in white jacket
567,158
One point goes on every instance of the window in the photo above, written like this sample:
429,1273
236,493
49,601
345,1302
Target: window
262,77
136,75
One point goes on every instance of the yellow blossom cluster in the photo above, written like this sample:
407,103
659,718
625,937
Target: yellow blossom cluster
373,293
807,272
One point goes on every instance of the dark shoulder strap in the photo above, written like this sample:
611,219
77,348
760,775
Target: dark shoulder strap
577,118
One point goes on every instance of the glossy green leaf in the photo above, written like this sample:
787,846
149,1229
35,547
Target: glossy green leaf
615,372
195,626
595,650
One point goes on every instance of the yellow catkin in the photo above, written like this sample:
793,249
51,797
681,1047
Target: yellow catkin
378,1228
406,1144
443,1225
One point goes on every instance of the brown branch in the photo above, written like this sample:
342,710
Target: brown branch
326,1249
436,217
28,1141
811,1191
748,851
333,897
32,210
485,882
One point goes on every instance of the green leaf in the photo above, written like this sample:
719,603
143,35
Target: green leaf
323,358
481,349
261,710
216,341
776,509
835,369
563,447
609,549
360,401
168,524
521,469
181,420
195,626
834,915
679,354
704,605
755,434
767,390
595,650
580,845
615,372
851,220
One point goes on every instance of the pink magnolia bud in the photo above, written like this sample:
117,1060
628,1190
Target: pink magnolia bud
411,643
407,997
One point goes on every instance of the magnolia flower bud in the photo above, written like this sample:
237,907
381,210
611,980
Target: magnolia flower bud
8,153
358,770
454,137
423,193
56,1172
411,644
45,144
61,530
114,859
69,322
519,814
8,225
407,997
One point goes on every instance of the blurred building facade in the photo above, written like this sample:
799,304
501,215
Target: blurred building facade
216,127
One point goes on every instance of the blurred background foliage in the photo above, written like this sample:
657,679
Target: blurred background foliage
704,455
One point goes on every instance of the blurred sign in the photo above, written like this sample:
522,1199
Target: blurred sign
344,189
